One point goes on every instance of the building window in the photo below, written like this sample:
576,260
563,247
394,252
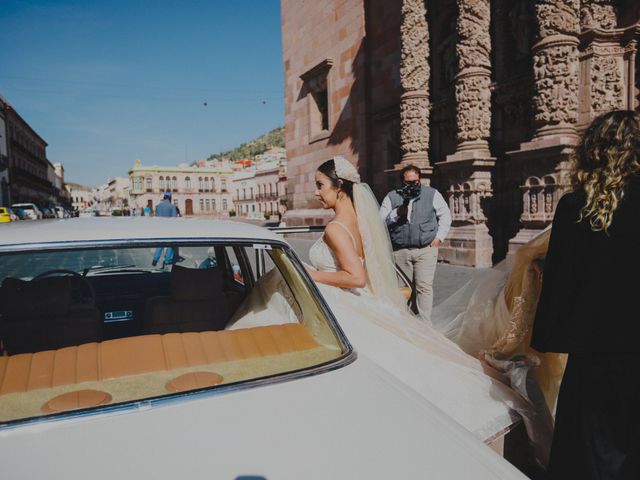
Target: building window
251,192
316,89
213,204
208,204
200,183
147,184
202,204
223,184
224,204
187,182
174,183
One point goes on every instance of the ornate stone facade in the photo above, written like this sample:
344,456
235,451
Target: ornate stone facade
414,78
488,97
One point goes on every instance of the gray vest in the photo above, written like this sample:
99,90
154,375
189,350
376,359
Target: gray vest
420,230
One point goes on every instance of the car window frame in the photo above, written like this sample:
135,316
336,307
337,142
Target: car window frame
347,357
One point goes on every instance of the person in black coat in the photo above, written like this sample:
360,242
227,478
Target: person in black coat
589,306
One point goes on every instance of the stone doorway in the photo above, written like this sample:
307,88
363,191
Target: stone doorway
188,207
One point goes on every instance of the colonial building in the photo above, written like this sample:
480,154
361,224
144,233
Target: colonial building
203,189
271,187
244,193
31,176
487,97
81,196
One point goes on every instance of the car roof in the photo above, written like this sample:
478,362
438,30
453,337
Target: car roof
122,229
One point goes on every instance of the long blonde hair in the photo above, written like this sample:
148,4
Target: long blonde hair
603,162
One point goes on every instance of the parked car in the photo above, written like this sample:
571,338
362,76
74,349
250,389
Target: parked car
48,212
5,215
115,368
31,210
61,212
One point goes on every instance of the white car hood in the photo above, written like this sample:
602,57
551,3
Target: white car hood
356,422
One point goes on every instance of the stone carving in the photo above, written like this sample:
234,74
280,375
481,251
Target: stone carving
474,41
556,82
607,92
558,17
414,35
473,112
414,125
414,79
539,198
465,201
598,14
473,97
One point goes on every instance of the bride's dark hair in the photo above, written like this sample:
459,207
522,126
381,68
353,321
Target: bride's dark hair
329,169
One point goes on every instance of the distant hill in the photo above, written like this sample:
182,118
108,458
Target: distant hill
275,138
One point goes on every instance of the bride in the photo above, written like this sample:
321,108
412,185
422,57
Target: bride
353,267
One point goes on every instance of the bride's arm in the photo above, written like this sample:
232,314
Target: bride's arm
352,273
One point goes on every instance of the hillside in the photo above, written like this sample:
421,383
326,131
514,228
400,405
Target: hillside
274,138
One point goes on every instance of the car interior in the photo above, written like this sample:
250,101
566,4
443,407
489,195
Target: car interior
114,323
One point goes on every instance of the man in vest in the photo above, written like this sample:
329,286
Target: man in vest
418,220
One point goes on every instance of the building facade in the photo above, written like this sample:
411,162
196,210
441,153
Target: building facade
486,97
244,193
4,159
81,196
204,189
31,176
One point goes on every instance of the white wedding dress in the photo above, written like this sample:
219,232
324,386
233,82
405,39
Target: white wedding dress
419,356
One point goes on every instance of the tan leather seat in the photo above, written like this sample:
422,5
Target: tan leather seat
145,354
196,303
40,315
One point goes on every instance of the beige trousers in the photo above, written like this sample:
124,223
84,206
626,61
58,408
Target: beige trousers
419,264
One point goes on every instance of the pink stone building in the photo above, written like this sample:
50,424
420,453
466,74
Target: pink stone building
487,97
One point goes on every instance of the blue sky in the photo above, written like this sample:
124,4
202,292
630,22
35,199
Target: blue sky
107,82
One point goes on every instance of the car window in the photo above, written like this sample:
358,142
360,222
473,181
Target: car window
92,327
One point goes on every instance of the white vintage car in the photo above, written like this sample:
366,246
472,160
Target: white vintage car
116,366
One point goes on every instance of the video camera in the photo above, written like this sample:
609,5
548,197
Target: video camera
409,191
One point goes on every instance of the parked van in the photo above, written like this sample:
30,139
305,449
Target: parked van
30,209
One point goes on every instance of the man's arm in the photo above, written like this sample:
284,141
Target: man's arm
443,214
387,214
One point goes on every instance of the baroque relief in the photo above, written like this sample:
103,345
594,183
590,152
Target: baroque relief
556,80
473,98
414,125
414,78
607,92
598,14
414,34
474,41
558,17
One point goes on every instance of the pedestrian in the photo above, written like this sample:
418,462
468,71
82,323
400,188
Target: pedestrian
418,220
588,305
165,209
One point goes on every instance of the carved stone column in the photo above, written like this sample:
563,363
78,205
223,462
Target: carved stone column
543,162
466,175
556,68
414,78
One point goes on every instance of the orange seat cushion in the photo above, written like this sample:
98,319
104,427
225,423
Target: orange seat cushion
147,353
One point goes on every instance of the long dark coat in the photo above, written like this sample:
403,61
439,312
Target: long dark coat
590,308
